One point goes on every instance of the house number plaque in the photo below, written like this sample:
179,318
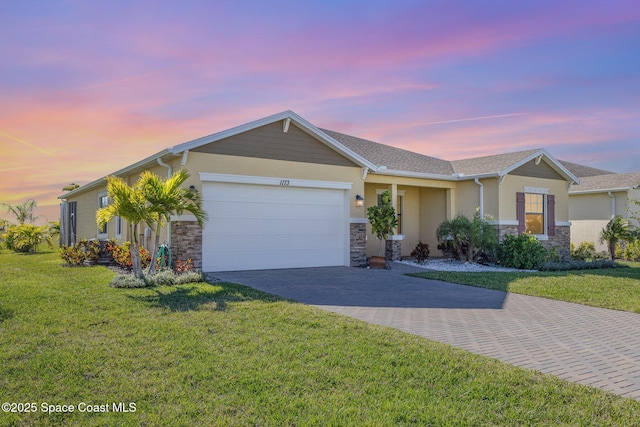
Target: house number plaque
284,182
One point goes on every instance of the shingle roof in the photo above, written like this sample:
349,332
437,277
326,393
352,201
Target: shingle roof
397,159
391,157
490,164
583,171
608,181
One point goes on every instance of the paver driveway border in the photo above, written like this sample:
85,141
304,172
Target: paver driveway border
587,345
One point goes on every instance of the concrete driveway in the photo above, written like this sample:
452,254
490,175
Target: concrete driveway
586,345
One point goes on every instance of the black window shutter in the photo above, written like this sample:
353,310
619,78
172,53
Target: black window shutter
551,215
520,212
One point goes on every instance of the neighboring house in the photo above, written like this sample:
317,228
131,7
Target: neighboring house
599,197
281,193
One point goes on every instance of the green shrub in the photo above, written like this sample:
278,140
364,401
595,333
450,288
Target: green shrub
91,249
522,252
25,237
72,255
163,278
421,253
190,277
553,255
579,265
184,266
584,252
632,251
121,254
128,281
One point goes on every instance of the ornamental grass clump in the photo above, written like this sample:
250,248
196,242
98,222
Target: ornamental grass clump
163,278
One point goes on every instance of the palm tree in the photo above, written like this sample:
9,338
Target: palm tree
129,203
23,212
456,232
482,235
617,229
166,197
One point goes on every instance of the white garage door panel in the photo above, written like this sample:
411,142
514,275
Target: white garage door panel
262,227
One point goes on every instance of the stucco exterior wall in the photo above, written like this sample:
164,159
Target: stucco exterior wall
590,213
513,184
467,198
433,210
588,230
596,206
86,227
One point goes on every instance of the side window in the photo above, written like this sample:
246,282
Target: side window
119,227
535,210
103,202
399,204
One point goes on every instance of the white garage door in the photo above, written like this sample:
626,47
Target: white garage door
273,224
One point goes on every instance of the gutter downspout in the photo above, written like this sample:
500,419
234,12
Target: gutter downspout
613,204
169,168
169,173
477,181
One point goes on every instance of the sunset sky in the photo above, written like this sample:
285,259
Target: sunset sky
89,87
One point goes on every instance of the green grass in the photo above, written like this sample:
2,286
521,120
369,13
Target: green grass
614,288
224,354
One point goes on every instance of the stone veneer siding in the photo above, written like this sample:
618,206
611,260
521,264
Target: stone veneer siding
357,245
393,250
186,242
561,241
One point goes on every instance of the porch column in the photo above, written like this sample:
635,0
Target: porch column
451,203
393,245
394,196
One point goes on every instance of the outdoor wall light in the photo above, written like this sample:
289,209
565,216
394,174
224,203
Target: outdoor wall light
193,188
359,201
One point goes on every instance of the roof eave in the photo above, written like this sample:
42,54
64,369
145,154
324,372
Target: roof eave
435,176
93,184
600,190
552,162
298,121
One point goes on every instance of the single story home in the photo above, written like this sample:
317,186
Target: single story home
283,193
598,197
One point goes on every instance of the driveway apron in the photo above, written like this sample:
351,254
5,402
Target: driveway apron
587,345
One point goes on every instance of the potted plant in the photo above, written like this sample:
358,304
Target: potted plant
382,218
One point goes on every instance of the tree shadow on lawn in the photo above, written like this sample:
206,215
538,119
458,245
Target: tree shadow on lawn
194,296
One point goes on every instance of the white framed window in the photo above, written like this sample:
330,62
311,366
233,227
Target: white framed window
118,227
536,212
103,202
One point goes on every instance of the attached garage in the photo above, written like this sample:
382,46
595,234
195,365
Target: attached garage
268,223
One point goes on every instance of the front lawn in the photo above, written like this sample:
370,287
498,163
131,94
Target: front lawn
615,288
224,354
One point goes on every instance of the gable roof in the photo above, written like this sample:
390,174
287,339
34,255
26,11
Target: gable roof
370,155
286,116
607,182
502,164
